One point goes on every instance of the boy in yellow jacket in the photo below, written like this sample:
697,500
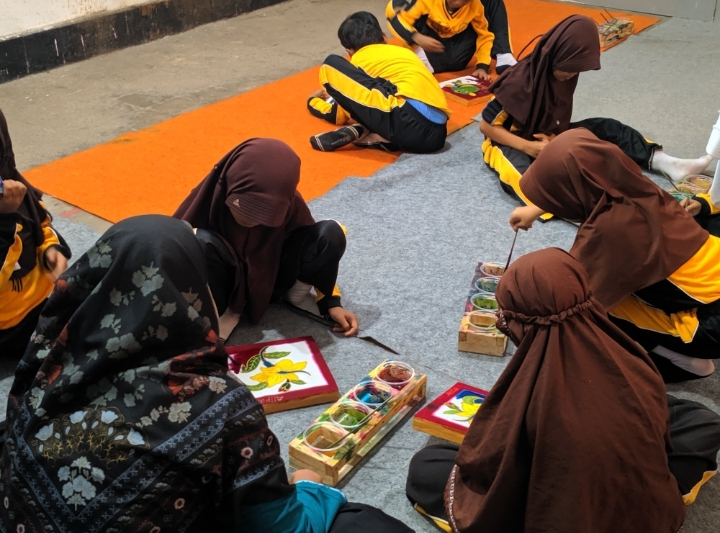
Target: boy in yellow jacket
447,34
393,100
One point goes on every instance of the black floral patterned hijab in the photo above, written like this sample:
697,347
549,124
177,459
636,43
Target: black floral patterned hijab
124,361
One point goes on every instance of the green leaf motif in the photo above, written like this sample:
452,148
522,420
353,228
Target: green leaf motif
251,365
297,382
471,400
275,355
259,386
284,387
451,412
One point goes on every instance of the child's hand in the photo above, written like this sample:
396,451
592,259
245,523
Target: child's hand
347,322
320,93
428,43
55,262
482,74
691,206
304,475
523,217
12,197
533,148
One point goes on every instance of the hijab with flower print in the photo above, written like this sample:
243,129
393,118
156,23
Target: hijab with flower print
123,380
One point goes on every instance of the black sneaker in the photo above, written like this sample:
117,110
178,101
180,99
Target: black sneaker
332,140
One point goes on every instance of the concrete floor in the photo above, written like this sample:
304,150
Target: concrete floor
664,82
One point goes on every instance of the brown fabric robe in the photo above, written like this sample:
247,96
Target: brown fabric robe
633,233
258,181
573,437
532,95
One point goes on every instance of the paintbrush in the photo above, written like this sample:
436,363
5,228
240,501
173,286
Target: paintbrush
331,324
672,183
511,250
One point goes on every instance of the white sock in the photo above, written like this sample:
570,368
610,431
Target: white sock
505,59
699,367
298,292
675,168
423,57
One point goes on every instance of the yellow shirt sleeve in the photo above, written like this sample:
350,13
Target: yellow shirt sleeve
484,38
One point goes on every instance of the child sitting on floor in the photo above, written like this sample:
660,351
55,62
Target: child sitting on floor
32,254
395,101
534,103
447,34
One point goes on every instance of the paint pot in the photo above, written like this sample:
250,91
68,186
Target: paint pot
351,415
479,321
395,374
688,188
488,284
699,180
325,438
679,196
492,269
484,301
713,145
373,393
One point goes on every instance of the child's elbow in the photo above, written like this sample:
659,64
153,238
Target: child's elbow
484,127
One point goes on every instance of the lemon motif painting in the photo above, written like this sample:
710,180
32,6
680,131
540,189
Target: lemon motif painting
283,374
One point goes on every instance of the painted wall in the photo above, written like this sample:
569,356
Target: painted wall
27,16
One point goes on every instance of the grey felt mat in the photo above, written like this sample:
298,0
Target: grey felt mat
416,229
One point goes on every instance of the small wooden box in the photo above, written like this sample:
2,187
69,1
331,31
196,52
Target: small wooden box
333,468
614,32
471,340
449,415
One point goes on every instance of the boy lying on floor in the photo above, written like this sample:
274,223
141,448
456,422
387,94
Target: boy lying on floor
384,91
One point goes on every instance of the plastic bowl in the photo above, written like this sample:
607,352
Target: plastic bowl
484,301
699,180
372,393
488,284
492,269
350,415
325,438
395,374
481,321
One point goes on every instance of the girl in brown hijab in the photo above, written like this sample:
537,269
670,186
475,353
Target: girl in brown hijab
32,254
534,102
654,269
574,435
261,242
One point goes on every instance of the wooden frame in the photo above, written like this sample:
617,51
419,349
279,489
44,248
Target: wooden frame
356,444
466,90
284,388
453,422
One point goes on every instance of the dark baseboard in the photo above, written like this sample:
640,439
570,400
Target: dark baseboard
47,49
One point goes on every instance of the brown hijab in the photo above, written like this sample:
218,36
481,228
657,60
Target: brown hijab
258,181
574,435
532,95
633,233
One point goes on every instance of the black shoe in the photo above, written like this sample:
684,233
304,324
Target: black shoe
332,140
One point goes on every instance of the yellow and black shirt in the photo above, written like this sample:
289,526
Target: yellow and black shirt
25,281
399,66
686,305
404,14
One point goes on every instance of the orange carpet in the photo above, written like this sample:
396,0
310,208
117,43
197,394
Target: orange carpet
152,170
